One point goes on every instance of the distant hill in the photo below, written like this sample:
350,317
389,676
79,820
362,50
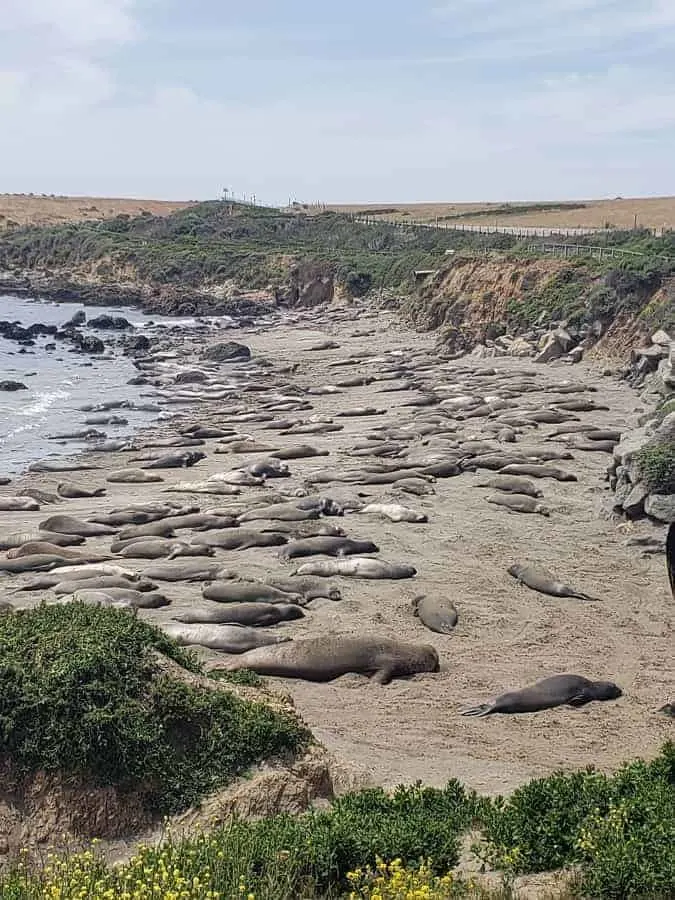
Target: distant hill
41,209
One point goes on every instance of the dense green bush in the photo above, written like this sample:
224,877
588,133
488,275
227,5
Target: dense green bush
81,692
657,467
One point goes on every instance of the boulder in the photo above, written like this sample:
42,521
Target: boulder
12,386
117,323
661,507
634,504
190,377
549,349
520,347
227,351
660,337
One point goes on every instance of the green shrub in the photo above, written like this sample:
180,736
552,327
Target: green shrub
657,468
81,692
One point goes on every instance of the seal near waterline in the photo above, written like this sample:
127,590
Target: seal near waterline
70,491
438,615
535,471
249,592
71,525
521,503
395,512
255,615
176,460
239,539
303,451
356,567
543,582
511,484
308,588
327,546
329,657
132,476
558,690
46,467
226,638
158,548
18,504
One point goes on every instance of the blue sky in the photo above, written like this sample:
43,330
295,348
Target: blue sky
377,100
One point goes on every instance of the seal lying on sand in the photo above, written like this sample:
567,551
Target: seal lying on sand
545,583
251,614
438,615
326,658
227,638
132,476
71,491
309,588
70,525
18,504
395,512
357,567
18,538
559,690
518,503
511,484
328,546
248,592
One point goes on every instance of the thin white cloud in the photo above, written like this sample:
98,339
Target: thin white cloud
75,22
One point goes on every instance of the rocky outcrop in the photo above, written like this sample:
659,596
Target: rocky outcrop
12,386
227,351
642,473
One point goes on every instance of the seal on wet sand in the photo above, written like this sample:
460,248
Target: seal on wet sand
559,690
438,615
356,567
545,583
70,491
329,657
226,638
518,503
255,615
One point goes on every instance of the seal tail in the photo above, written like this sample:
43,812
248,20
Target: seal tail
670,557
580,596
485,709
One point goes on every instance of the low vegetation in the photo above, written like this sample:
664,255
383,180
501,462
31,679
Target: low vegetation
656,465
83,692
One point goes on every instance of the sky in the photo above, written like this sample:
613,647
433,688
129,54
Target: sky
356,101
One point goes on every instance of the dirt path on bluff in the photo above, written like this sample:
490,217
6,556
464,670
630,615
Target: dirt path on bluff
507,637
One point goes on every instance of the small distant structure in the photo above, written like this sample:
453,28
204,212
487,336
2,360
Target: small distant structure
423,274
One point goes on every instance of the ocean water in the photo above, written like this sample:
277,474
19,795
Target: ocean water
59,382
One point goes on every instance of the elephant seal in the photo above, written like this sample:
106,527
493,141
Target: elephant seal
545,583
70,491
395,512
511,484
158,548
559,690
438,615
248,592
356,567
255,615
668,709
329,657
282,512
35,547
203,522
204,487
47,467
236,477
94,570
186,569
550,416
162,528
138,599
70,525
18,538
246,447
360,411
226,638
239,539
132,476
176,460
18,504
595,446
308,588
518,503
38,562
269,468
39,496
91,598
327,546
101,583
303,451
536,471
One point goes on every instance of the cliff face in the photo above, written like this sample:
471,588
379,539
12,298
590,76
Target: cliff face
475,300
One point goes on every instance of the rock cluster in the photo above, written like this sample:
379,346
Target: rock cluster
561,342
653,367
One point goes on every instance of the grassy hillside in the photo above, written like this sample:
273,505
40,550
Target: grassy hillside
18,210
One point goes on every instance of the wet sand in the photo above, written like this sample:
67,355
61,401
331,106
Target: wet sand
507,636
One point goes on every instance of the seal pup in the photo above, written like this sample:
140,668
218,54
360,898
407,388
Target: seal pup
255,615
356,567
329,657
558,690
543,582
395,512
70,491
519,503
226,638
438,615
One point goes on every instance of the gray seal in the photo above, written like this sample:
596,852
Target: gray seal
226,638
132,476
239,539
329,657
356,567
176,460
327,546
438,615
511,484
254,615
185,570
536,471
70,525
159,548
309,588
545,583
248,592
70,491
559,690
303,451
518,503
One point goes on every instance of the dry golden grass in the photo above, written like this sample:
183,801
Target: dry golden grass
34,209
651,212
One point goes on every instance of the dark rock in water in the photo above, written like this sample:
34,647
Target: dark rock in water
227,351
40,328
78,319
87,343
137,344
190,377
117,323
50,346
12,386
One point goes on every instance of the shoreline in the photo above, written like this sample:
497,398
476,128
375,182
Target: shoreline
507,636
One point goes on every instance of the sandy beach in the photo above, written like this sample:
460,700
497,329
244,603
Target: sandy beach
507,637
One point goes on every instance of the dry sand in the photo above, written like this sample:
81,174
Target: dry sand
507,637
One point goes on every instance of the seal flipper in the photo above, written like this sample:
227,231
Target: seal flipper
383,675
580,596
580,699
485,709
670,557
